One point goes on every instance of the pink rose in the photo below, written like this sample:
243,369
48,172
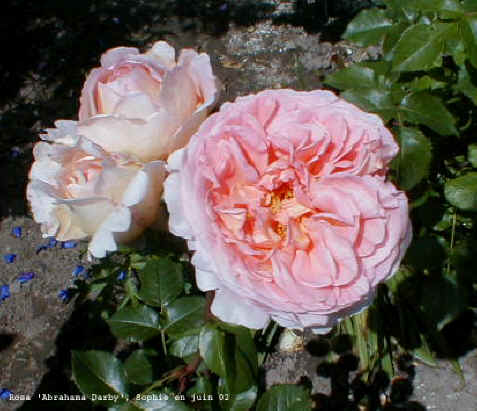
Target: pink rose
282,195
77,190
147,104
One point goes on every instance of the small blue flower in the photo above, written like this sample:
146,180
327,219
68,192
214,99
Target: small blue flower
69,244
51,242
5,394
9,258
17,231
25,277
4,292
64,295
121,276
78,270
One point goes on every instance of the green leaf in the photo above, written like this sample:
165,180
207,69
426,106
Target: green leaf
245,360
391,39
374,100
213,349
135,323
424,83
353,77
466,84
184,316
419,48
440,307
462,192
424,353
240,402
414,158
139,366
185,346
285,397
472,154
161,281
99,373
160,400
424,108
468,29
381,68
368,27
231,355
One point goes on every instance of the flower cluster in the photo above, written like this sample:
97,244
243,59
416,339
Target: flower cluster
101,177
282,195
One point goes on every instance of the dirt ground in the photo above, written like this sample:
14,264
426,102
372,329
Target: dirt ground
253,46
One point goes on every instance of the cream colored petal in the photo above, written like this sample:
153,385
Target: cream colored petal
135,106
117,55
147,140
163,53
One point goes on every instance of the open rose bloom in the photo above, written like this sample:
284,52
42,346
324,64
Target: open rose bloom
147,105
283,197
78,190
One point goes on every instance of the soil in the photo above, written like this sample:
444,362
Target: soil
253,45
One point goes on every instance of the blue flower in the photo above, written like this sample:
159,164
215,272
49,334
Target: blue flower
78,270
25,277
69,244
121,276
4,292
5,394
51,242
64,295
17,231
9,258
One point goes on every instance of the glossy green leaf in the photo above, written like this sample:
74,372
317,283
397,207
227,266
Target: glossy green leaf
99,373
184,316
425,83
285,397
353,77
185,346
414,158
462,192
213,349
161,281
468,28
424,108
203,393
135,323
244,371
242,401
159,400
467,84
368,27
442,307
391,39
374,100
424,353
419,48
472,154
380,68
140,367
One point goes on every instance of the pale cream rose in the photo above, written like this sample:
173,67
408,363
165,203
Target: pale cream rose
147,104
77,190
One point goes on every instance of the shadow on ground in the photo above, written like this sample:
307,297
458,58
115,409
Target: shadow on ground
350,390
